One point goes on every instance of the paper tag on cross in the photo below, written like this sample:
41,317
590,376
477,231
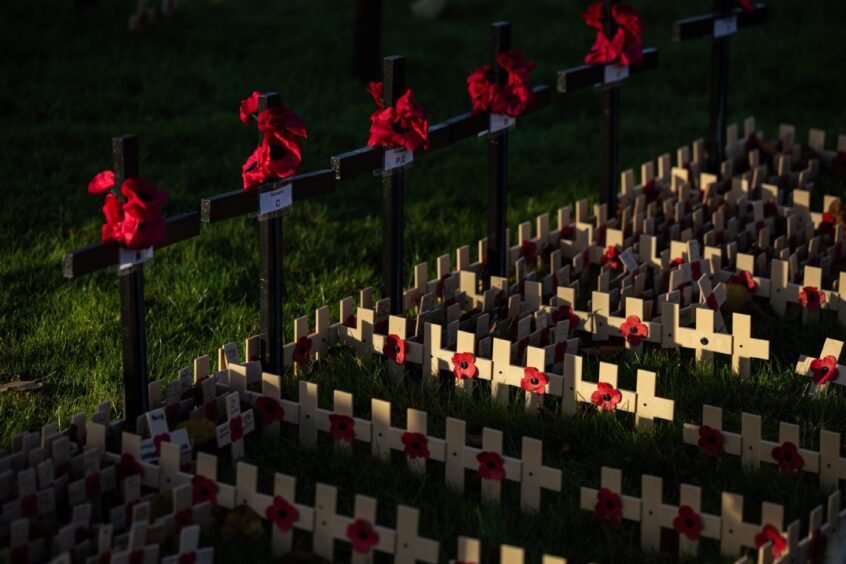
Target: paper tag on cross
615,73
127,258
273,203
725,26
399,157
500,122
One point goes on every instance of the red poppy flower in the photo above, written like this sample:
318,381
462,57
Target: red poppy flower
826,226
824,369
282,514
249,106
269,409
605,397
604,51
142,195
609,506
491,465
137,556
137,232
817,549
594,16
478,87
401,125
184,518
464,365
302,349
745,279
627,17
611,257
19,554
516,64
203,489
710,439
788,458
811,298
279,154
342,427
688,523
102,182
416,445
838,163
770,533
676,262
236,429
394,349
362,536
746,5
529,250
633,331
511,98
92,485
566,312
187,558
158,440
770,208
560,351
210,410
29,506
533,381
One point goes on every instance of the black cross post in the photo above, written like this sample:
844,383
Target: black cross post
608,77
393,76
134,333
367,39
497,251
725,20
270,291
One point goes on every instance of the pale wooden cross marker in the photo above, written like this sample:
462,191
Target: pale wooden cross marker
713,417
156,422
611,479
21,546
417,423
65,540
656,515
410,547
650,406
189,544
27,493
313,418
100,481
535,475
607,375
703,338
735,533
329,526
831,347
744,347
137,546
234,417
505,374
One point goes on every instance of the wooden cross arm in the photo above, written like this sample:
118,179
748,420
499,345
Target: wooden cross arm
241,202
105,254
585,76
703,26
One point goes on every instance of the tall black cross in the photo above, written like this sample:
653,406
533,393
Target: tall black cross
367,39
497,246
608,79
720,25
393,77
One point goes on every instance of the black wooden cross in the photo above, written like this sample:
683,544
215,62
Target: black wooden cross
723,22
367,38
497,245
608,79
393,77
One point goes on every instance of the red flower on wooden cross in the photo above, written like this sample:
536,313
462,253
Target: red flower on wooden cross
611,257
183,518
158,440
650,190
92,485
302,349
560,352
187,558
626,46
771,534
826,226
688,523
210,410
394,348
788,458
566,312
202,490
633,330
416,445
811,298
269,409
135,220
402,125
605,397
824,370
838,163
710,440
362,536
817,549
127,466
609,506
479,88
236,429
29,506
491,465
282,514
746,5
19,554
342,427
464,365
770,208
745,279
534,380
529,250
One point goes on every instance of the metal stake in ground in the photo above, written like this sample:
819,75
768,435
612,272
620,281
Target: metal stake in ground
608,79
720,25
134,334
271,285
497,251
393,76
367,40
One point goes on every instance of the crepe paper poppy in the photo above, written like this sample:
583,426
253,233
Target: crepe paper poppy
625,47
282,514
676,263
817,548
534,380
19,554
609,506
633,330
771,534
236,429
824,370
491,465
811,298
416,445
566,312
210,410
102,182
29,506
479,88
137,556
611,257
183,518
826,226
394,349
402,125
511,98
560,352
595,16
92,485
158,440
605,397
464,365
626,16
302,349
838,163
133,213
688,523
187,558
529,250
710,439
362,536
341,427
745,279
746,5
202,490
788,458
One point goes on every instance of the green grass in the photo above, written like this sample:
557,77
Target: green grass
73,79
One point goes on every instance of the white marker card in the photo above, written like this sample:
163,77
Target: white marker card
725,26
273,202
156,422
615,73
500,122
127,258
230,352
629,260
397,158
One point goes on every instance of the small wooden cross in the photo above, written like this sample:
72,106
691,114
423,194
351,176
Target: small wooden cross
704,339
237,425
160,433
744,347
189,547
410,547
735,532
330,526
611,479
656,515
713,418
831,347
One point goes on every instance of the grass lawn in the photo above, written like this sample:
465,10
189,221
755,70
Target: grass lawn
73,79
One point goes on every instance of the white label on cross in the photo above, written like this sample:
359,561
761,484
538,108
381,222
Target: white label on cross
725,26
615,73
129,257
398,158
629,260
275,200
500,122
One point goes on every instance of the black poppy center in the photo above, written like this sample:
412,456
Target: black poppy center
342,425
609,504
281,512
204,490
534,380
788,457
396,349
812,297
606,397
711,439
824,370
633,330
491,464
464,364
362,534
688,522
415,445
